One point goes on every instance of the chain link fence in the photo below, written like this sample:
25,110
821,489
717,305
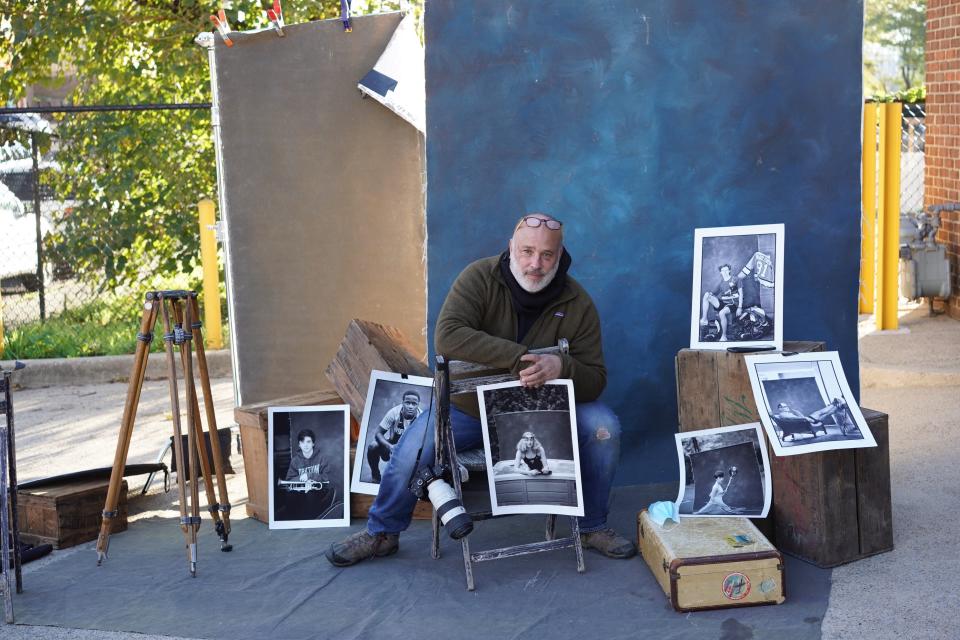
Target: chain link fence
912,146
48,308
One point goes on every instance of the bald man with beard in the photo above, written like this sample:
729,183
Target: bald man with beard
497,311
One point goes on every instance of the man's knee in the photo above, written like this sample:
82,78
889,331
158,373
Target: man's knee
598,422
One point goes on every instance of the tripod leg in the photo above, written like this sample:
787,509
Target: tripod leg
192,427
197,424
186,521
135,386
224,526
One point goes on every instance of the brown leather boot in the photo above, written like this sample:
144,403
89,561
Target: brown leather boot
362,545
609,543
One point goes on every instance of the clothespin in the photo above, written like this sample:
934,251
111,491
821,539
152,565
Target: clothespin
345,15
275,16
220,22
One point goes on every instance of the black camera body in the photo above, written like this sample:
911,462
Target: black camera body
430,483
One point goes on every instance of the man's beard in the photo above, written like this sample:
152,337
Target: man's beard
529,285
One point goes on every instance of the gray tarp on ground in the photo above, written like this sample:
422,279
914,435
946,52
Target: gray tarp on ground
324,201
276,584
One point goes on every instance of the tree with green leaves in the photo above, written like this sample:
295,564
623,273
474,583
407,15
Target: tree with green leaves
132,178
899,25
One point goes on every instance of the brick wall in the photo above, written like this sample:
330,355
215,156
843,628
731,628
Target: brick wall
942,177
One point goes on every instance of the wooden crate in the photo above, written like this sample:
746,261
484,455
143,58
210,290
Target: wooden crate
834,507
368,346
713,388
254,423
65,515
698,569
829,508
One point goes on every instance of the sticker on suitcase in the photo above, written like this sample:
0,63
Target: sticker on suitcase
736,586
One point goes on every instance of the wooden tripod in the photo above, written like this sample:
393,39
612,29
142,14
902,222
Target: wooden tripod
181,326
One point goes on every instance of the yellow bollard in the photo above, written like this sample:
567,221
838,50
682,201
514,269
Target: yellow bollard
211,271
868,216
888,218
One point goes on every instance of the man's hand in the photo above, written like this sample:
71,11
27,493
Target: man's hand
544,367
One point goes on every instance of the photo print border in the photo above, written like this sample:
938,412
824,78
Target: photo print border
426,402
697,296
784,448
343,433
765,477
538,508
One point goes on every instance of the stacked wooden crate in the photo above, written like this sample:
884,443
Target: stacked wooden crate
829,507
367,346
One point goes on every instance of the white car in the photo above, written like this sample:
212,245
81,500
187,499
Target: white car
18,243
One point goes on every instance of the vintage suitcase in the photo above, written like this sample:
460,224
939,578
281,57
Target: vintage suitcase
67,514
698,568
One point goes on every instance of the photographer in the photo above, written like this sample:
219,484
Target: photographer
498,309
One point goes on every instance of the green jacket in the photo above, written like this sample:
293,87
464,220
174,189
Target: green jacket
477,323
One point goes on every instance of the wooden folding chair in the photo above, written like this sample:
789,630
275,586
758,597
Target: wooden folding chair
459,378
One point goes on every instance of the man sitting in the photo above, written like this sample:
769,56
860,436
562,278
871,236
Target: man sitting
498,309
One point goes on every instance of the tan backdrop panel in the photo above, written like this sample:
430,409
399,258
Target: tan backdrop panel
323,191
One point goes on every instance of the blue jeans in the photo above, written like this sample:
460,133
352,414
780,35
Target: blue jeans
598,432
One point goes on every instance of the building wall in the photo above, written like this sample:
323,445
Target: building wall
942,176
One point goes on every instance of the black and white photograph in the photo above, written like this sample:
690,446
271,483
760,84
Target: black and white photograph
530,441
309,458
805,403
737,287
394,401
724,472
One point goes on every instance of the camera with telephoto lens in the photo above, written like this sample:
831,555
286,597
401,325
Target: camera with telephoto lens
429,483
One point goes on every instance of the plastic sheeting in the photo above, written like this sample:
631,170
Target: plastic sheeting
276,584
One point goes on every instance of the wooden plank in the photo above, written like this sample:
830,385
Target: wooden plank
734,392
796,503
469,386
697,396
874,508
368,346
521,549
840,539
256,469
814,497
460,368
255,415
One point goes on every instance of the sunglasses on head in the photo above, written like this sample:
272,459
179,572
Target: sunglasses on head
534,222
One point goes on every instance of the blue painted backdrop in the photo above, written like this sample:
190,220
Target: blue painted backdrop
635,121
